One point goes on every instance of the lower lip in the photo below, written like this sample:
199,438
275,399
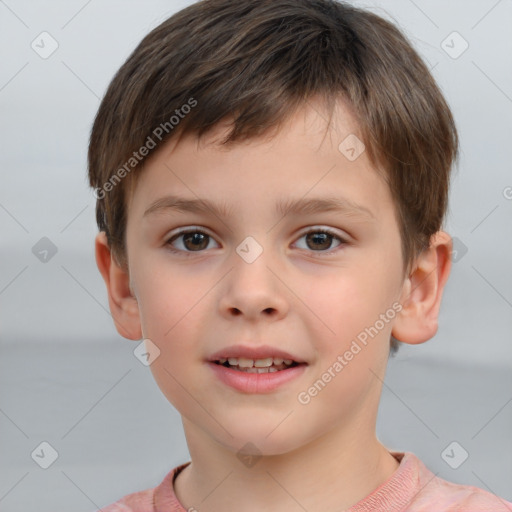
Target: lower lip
256,382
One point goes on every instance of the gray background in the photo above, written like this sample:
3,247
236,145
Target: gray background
68,378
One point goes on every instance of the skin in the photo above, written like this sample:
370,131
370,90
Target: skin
308,298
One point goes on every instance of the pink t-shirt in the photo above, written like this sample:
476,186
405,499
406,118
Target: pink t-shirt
411,488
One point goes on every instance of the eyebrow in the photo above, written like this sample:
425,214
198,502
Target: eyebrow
283,207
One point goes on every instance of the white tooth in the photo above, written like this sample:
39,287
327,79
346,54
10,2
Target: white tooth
262,370
268,362
262,363
251,370
272,370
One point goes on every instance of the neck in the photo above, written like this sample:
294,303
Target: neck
332,473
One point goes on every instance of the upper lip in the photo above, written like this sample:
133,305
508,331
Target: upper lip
259,352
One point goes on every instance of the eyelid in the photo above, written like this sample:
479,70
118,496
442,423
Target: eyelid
186,229
302,232
309,229
342,235
189,229
183,231
343,238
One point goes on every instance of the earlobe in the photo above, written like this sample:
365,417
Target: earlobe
123,304
422,292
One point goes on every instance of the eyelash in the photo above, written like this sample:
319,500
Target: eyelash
326,231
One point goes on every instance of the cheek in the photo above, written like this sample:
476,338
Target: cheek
166,298
172,316
357,306
351,298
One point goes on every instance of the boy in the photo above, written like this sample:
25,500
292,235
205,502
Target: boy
271,178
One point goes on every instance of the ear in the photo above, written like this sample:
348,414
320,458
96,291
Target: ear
123,304
422,292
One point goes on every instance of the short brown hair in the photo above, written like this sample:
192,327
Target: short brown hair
257,61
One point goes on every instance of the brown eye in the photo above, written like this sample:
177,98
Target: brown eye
195,241
320,240
189,241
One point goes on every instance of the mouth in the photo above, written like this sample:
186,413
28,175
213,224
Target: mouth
256,369
255,376
265,365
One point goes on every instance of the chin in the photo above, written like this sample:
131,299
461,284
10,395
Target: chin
262,441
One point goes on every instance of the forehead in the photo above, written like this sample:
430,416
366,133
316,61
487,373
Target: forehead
311,117
311,150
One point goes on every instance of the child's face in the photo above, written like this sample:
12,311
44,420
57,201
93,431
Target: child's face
309,296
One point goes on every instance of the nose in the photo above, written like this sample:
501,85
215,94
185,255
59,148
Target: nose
253,290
